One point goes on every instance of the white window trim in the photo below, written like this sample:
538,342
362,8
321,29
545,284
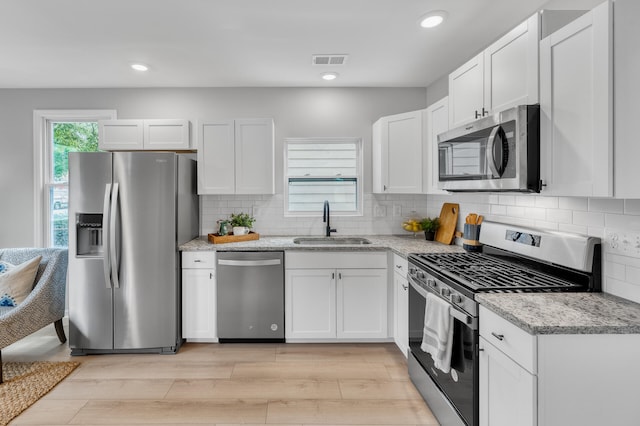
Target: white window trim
41,153
359,174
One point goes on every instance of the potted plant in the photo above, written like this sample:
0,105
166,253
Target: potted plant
429,226
241,223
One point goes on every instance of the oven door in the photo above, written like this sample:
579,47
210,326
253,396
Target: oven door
460,385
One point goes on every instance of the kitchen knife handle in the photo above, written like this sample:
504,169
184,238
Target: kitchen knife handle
105,230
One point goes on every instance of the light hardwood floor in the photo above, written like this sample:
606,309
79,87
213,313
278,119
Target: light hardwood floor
228,384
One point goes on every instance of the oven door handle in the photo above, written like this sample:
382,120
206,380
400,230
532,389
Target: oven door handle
454,312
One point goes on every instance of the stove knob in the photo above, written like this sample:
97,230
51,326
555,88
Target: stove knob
445,292
421,275
431,283
456,298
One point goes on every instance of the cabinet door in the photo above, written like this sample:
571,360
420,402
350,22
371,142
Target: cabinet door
216,153
437,122
166,135
199,304
507,391
576,143
511,68
120,135
401,327
362,303
400,153
254,156
466,92
310,303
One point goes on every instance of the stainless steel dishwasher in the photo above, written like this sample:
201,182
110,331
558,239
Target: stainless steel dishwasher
250,298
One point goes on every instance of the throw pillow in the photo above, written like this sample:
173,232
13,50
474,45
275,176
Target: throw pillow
16,281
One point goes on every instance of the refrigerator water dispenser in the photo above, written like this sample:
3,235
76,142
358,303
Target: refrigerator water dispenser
89,234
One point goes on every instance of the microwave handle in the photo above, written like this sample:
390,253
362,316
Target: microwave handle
489,153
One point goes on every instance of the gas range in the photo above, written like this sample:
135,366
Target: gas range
514,259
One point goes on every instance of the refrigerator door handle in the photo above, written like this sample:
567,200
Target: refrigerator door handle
105,230
113,255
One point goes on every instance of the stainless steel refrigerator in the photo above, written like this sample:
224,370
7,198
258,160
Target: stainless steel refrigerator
128,213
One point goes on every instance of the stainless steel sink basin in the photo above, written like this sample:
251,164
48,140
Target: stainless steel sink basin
330,241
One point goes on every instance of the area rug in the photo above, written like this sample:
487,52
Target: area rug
26,382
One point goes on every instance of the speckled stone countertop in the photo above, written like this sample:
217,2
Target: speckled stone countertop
566,313
399,244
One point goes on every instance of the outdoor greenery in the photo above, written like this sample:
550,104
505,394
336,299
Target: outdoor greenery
71,137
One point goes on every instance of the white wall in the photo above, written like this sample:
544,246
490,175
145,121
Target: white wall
297,112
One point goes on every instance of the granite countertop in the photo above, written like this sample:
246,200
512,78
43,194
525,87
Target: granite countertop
399,244
566,313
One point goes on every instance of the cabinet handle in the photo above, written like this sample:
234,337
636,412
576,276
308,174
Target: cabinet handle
484,112
339,275
404,286
384,187
333,275
497,336
399,266
197,261
210,275
477,113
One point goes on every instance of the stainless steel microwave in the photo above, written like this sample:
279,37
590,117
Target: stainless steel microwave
500,152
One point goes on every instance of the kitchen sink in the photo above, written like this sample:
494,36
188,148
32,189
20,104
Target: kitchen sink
330,241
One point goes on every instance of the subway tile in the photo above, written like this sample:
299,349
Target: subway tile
494,199
588,218
560,216
615,270
525,201
632,207
622,289
624,260
573,203
497,209
632,275
516,211
507,200
546,202
546,225
620,221
594,231
606,205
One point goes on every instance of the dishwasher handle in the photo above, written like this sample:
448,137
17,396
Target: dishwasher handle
267,262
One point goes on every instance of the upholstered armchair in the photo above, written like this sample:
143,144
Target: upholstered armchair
45,303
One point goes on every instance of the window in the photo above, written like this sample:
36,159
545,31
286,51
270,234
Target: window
323,169
56,133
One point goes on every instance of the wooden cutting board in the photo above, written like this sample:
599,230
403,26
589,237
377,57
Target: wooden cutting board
448,221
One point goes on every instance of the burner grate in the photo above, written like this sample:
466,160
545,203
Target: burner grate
483,273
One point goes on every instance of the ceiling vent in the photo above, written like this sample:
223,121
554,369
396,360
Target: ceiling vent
331,60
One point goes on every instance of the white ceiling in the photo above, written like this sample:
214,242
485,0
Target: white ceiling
243,43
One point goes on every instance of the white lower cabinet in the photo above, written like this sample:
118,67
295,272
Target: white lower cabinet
401,311
507,390
199,297
556,379
336,295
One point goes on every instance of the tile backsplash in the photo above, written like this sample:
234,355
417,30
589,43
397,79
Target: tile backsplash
383,214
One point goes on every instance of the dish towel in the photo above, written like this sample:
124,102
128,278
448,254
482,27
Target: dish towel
437,335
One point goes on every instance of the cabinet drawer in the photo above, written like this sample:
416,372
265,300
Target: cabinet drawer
343,260
400,265
513,341
198,259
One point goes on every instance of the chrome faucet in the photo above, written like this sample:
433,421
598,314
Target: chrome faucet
325,218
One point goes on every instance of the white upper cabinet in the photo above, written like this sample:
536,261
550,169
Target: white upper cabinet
236,156
466,92
397,154
437,122
137,135
576,107
627,87
502,76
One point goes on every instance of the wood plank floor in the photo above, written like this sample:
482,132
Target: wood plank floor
228,384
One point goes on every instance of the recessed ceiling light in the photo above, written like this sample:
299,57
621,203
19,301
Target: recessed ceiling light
140,67
433,19
329,75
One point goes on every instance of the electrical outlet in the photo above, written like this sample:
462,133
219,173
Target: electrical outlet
397,210
622,242
379,211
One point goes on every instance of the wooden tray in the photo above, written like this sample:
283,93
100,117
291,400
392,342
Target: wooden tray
222,239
